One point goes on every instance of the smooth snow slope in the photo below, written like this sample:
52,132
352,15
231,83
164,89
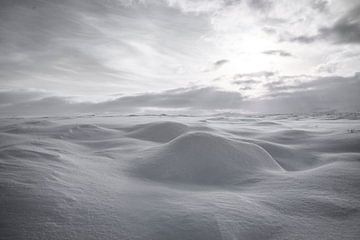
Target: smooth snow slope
203,158
172,177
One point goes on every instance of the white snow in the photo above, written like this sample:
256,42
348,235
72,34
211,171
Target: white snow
180,177
203,158
158,131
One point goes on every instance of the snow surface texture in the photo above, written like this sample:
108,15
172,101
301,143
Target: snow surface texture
202,158
180,177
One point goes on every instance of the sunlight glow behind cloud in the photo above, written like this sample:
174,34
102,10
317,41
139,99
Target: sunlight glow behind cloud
95,49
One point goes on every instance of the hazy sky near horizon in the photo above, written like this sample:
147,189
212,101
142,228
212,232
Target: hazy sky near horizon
104,49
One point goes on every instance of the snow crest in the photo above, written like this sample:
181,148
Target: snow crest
203,158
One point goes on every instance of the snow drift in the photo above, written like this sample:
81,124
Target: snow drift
158,131
203,158
126,177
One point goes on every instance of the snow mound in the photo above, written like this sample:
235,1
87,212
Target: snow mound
158,131
203,158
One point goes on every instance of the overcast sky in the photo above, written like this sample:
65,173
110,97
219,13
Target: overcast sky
229,54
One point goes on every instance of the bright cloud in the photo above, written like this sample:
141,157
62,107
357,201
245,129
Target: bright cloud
91,50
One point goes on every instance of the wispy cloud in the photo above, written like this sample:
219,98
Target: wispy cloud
322,93
280,53
201,98
92,49
345,30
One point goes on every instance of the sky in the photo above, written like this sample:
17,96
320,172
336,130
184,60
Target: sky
117,55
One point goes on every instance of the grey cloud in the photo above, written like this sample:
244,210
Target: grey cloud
320,5
218,78
326,93
39,37
263,5
282,84
66,46
207,98
248,80
265,74
221,62
245,82
216,65
74,46
46,106
275,85
304,39
269,30
280,53
231,2
328,67
17,96
345,30
330,93
245,88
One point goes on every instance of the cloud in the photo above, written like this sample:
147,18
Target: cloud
216,65
8,97
245,88
205,98
345,30
330,67
320,94
92,49
221,62
263,5
280,53
269,30
276,85
202,98
265,74
250,81
96,47
245,82
304,39
323,93
320,5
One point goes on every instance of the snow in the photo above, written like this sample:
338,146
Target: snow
158,131
180,177
203,158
